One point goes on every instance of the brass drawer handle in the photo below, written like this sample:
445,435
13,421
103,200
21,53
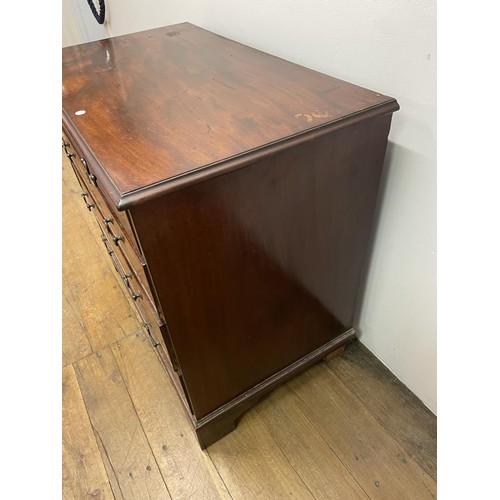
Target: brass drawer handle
107,221
116,239
84,163
90,206
92,179
105,241
65,146
135,295
151,337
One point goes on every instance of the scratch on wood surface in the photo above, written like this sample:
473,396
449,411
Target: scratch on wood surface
130,444
112,476
313,114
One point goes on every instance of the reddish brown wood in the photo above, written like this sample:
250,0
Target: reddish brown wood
264,261
165,102
119,219
334,354
249,185
224,419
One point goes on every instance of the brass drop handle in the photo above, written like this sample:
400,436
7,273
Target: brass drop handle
107,221
84,163
66,145
92,179
135,295
90,206
105,240
116,239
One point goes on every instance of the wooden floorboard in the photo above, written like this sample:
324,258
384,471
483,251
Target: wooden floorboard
343,429
394,406
375,459
320,469
113,479
252,465
75,342
84,474
115,422
187,470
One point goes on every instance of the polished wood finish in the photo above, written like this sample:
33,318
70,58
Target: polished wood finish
234,192
169,102
283,246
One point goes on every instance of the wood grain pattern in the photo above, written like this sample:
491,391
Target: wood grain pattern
326,478
200,99
84,475
75,342
113,479
263,263
115,421
377,462
188,471
252,466
393,405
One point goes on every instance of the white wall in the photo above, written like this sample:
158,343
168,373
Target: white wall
79,24
70,31
388,46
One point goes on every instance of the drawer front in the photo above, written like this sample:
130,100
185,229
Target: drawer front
131,283
132,273
161,339
129,258
159,333
121,245
130,262
68,148
116,217
156,327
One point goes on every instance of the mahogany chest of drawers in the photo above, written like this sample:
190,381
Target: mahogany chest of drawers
235,193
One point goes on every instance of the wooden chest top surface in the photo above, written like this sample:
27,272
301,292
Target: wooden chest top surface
164,103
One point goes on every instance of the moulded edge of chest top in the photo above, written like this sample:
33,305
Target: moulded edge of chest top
124,201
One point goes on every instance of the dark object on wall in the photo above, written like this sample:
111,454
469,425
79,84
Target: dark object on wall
235,193
99,16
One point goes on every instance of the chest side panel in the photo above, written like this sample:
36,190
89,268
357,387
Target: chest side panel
256,268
